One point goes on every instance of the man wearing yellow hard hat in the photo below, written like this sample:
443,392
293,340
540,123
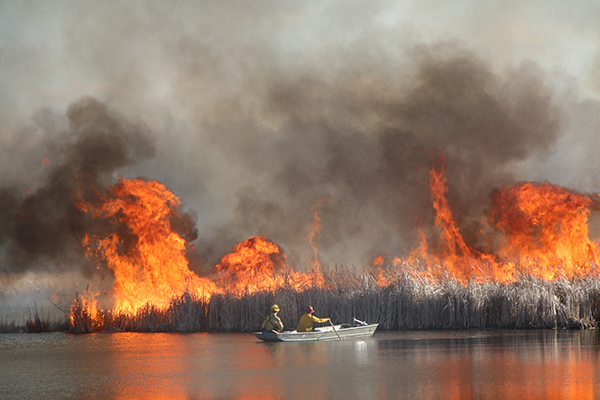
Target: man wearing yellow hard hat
273,322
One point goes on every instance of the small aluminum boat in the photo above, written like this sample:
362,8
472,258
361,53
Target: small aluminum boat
341,332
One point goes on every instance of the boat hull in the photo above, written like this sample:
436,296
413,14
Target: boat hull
320,334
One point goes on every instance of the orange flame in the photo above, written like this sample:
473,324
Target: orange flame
258,264
543,230
84,313
150,267
452,255
455,253
315,233
378,272
251,265
148,260
546,229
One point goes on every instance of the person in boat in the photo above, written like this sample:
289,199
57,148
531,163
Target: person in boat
272,322
307,320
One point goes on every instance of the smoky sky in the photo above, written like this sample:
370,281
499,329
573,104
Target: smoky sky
42,226
258,116
373,183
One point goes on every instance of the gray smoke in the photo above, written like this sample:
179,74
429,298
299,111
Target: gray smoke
42,227
375,178
257,115
370,180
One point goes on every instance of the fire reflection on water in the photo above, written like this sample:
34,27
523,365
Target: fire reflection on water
410,364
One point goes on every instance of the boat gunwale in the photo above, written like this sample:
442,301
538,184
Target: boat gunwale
325,333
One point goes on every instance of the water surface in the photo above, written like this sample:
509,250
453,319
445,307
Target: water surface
552,364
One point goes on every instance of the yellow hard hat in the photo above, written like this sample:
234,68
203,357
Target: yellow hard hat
274,307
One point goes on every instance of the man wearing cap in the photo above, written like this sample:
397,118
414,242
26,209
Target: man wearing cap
308,320
273,322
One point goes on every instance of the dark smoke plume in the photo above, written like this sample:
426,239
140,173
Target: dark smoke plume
368,150
356,149
45,228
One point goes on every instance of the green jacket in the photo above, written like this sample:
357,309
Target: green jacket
272,323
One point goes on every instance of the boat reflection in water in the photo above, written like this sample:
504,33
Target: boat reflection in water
549,364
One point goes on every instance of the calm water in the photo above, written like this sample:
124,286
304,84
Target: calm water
399,365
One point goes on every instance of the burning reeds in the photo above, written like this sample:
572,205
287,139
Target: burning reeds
540,271
408,303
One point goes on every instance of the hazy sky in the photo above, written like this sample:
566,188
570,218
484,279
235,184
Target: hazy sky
254,113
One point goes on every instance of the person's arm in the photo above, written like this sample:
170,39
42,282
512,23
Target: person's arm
319,320
278,324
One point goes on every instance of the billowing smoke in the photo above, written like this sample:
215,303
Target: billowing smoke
374,176
41,226
370,178
258,115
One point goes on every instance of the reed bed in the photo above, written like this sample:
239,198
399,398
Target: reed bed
10,326
409,301
35,322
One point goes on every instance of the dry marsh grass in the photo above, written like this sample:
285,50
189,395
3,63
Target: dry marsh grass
408,302
35,322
